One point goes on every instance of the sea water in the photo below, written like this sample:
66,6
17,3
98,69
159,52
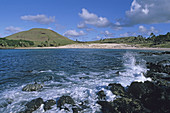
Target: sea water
79,73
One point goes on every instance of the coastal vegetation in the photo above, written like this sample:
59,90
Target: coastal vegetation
15,43
162,41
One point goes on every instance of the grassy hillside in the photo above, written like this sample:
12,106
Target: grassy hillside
41,37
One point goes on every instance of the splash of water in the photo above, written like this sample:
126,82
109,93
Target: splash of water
133,70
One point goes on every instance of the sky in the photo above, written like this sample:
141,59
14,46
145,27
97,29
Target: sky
86,20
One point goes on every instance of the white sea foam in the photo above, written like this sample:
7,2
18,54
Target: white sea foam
45,71
134,71
81,87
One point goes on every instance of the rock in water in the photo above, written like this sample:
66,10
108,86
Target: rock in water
122,105
5,102
32,87
101,95
161,67
33,105
48,104
65,100
117,89
138,89
153,97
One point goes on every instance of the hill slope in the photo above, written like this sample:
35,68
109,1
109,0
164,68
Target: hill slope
41,37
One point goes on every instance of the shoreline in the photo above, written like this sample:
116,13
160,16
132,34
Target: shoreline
94,46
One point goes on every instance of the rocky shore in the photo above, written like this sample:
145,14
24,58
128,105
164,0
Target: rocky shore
148,97
140,97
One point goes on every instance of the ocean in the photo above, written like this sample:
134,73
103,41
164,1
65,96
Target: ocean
78,73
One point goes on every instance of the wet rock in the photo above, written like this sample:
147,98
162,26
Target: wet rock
151,53
65,100
85,77
153,97
161,67
122,105
153,67
162,83
32,87
138,89
146,53
106,107
48,104
33,105
157,101
5,102
166,52
157,75
117,89
76,109
154,53
101,95
164,62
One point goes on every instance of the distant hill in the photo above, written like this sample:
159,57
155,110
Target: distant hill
40,37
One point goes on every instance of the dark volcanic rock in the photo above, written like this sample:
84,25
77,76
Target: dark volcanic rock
153,97
5,102
166,52
138,89
117,89
76,109
65,100
161,67
122,105
48,104
164,62
33,105
101,95
162,83
154,53
32,87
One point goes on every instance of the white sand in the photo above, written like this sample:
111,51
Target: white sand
98,46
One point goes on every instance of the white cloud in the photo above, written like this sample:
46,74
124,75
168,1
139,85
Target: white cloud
97,21
49,28
107,34
148,12
124,34
127,34
146,31
89,29
42,19
98,37
93,19
142,29
12,29
81,25
117,26
74,33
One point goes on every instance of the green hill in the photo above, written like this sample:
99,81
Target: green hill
40,37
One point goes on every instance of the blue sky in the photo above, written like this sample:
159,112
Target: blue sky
86,20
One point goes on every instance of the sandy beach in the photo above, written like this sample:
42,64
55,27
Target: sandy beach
97,46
